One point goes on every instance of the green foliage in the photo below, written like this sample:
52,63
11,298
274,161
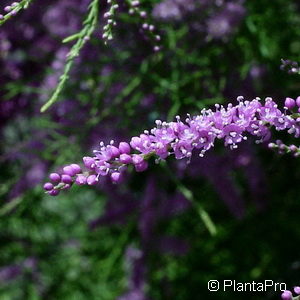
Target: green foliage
110,88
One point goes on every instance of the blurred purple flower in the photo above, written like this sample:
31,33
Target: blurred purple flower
13,271
65,17
225,21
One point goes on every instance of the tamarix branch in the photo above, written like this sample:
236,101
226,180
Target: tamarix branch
232,124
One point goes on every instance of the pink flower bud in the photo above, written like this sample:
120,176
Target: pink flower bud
289,103
91,180
114,151
141,166
68,170
76,168
54,193
48,186
125,159
54,177
137,159
80,179
66,178
115,177
124,148
89,162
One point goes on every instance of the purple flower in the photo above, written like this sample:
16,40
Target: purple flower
232,135
173,9
167,9
231,123
13,271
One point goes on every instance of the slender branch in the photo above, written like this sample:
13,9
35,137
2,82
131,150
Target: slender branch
14,10
82,37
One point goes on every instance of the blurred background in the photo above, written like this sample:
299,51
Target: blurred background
145,239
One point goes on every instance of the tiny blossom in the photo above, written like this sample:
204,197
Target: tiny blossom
232,124
115,177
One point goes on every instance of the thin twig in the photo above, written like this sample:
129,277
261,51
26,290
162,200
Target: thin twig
82,37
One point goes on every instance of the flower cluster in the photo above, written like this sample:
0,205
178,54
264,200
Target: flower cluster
292,105
231,124
288,295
